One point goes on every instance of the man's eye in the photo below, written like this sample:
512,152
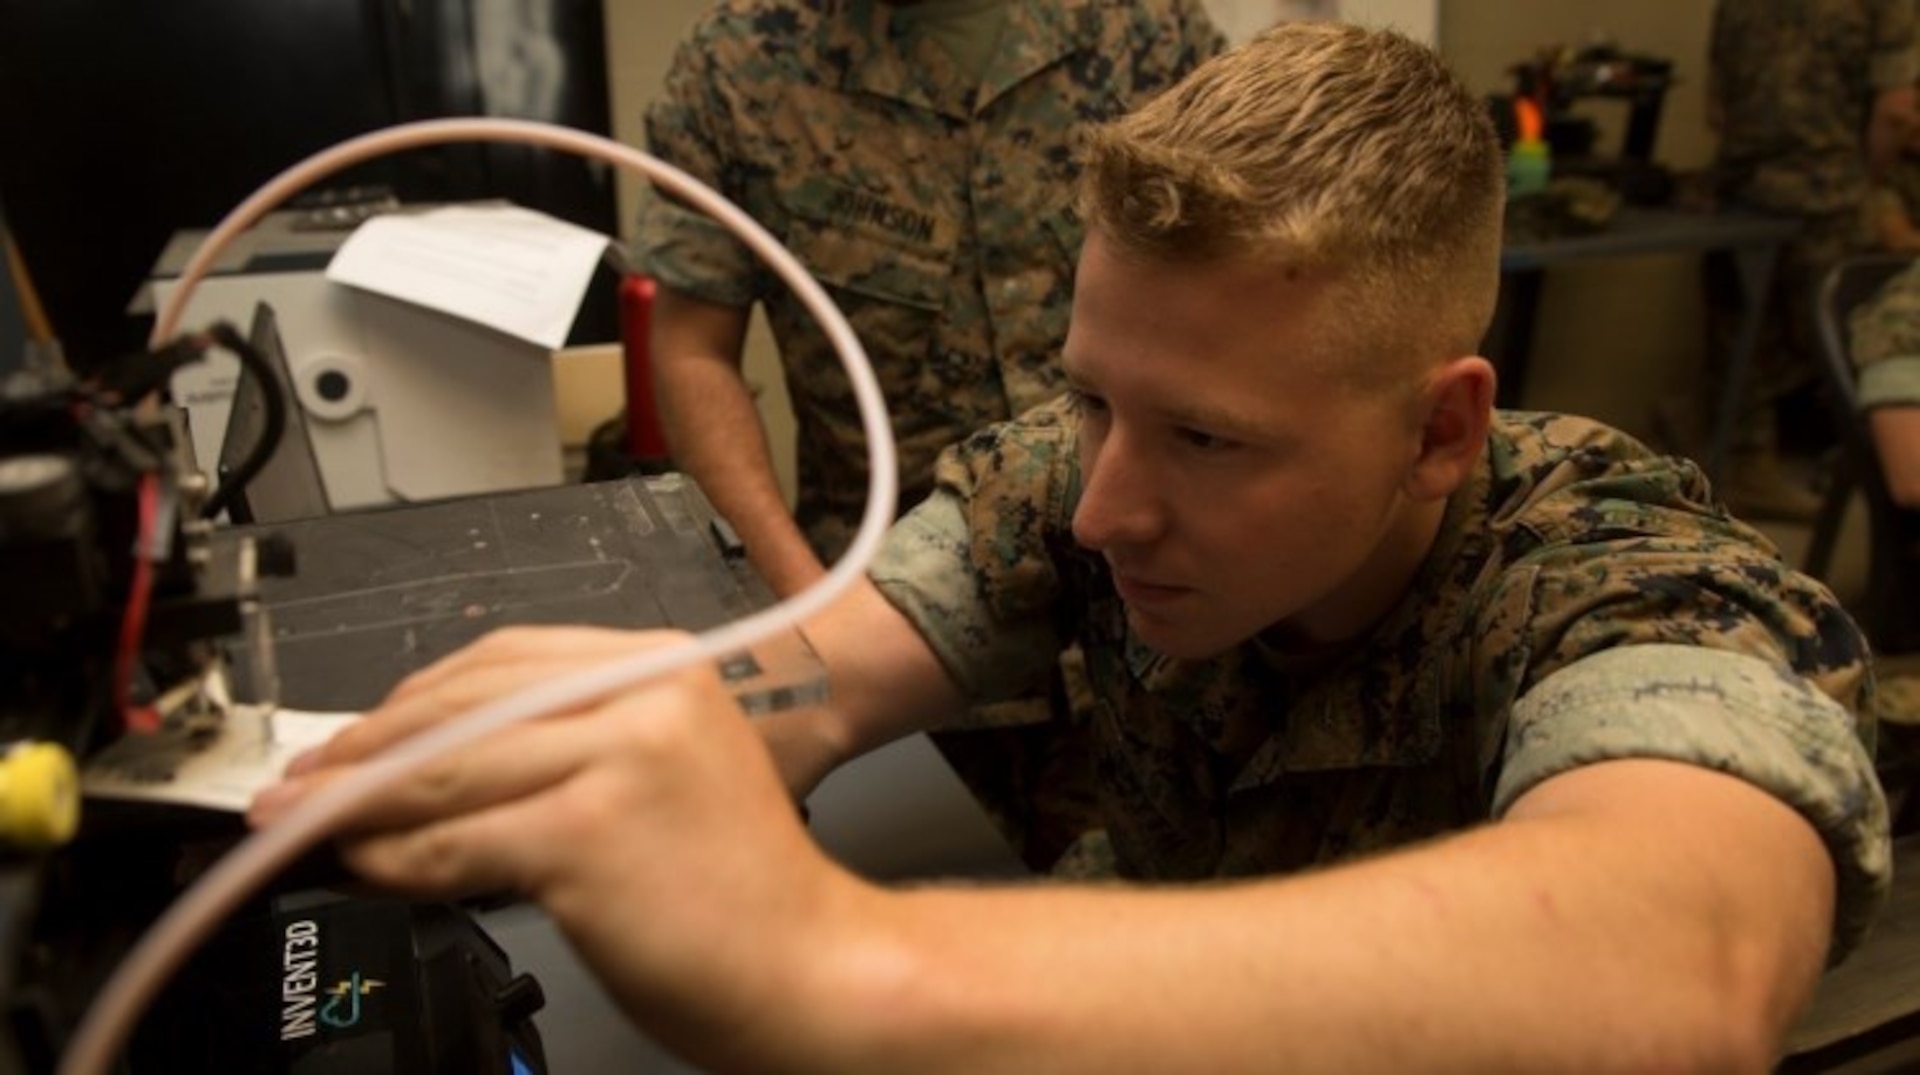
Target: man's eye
1206,441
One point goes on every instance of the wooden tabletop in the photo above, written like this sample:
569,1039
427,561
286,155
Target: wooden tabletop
1880,982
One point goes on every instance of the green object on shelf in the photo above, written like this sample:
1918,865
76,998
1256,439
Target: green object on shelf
1529,166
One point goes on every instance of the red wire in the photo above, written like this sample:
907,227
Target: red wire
133,626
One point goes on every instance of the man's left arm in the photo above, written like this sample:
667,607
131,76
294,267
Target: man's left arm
1631,915
1685,835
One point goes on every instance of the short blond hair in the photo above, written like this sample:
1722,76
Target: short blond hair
1326,146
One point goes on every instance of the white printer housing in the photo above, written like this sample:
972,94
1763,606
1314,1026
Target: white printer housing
402,403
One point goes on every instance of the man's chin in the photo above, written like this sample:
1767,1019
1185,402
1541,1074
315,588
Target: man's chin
1178,640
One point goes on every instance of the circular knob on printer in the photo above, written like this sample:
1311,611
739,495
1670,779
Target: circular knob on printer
333,387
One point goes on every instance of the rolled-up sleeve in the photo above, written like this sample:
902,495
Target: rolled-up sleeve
682,247
1884,338
973,567
925,570
1727,711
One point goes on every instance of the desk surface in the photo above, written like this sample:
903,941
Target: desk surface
1880,983
1652,231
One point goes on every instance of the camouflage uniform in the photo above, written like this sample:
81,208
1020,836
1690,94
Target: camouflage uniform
936,210
1794,81
1585,600
1885,343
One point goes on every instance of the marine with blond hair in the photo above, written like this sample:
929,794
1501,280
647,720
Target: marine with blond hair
1428,737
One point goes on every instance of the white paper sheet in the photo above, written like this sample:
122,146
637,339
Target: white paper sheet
508,268
224,774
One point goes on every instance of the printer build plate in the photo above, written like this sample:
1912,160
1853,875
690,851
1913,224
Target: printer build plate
377,594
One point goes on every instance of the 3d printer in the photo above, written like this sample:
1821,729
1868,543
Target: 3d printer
1561,80
117,597
117,607
128,621
735,632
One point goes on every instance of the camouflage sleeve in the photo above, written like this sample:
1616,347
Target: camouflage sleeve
1885,343
682,247
1614,551
1893,383
1894,63
1729,712
970,567
1646,622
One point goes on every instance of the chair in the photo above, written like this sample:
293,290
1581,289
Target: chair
1893,578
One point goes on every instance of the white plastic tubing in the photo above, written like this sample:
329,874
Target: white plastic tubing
109,1022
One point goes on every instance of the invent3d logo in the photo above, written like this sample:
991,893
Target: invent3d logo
306,1004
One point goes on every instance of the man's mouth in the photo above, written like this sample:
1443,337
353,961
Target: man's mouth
1139,591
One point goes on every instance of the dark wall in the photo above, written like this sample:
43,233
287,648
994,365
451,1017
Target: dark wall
121,123
13,325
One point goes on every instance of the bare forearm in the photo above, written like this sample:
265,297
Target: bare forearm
1549,943
883,678
1896,433
883,684
717,438
806,746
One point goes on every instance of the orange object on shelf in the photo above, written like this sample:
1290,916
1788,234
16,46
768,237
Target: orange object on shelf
1527,119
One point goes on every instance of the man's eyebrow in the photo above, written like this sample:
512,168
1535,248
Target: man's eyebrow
1194,414
1214,418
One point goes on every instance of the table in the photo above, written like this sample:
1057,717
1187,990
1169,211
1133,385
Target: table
1872,1001
1752,240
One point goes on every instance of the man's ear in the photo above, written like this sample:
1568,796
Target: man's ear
1456,408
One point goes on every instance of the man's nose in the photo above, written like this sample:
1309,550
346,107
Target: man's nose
1119,497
